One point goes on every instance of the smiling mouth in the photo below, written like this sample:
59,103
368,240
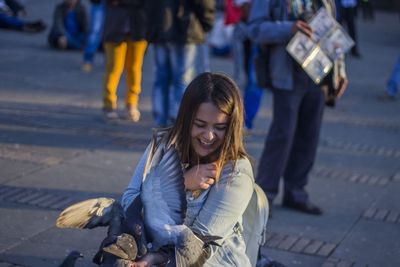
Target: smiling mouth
205,143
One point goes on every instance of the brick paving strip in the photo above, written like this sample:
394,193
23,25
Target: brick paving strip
335,262
300,245
351,176
381,215
8,264
360,148
35,197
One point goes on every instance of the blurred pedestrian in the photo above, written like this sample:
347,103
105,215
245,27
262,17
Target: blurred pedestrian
244,51
393,83
367,9
70,25
11,13
347,10
298,102
125,45
176,29
94,38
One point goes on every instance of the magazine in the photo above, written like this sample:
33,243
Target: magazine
328,42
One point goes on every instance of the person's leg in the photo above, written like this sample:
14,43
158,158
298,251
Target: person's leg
133,75
115,60
162,81
350,15
394,80
11,22
75,41
94,36
304,147
279,141
183,69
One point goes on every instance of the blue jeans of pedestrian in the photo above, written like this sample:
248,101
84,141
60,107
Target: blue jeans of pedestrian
7,21
174,70
394,81
96,31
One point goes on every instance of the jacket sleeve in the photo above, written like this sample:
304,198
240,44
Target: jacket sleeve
263,28
225,204
134,186
205,13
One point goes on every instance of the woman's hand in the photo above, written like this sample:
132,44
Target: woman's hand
200,176
302,26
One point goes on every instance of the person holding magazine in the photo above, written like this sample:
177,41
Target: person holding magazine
298,102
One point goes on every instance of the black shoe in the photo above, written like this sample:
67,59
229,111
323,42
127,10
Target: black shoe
306,207
356,54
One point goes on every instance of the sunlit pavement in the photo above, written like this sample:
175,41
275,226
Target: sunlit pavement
55,149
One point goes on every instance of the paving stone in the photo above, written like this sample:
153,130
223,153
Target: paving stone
370,213
313,247
381,214
326,249
392,217
275,240
344,263
300,245
288,242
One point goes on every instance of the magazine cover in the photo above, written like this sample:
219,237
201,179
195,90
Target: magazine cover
328,42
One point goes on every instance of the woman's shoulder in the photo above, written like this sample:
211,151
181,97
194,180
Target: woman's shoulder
240,168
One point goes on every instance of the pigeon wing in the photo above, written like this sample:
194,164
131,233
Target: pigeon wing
163,190
87,214
190,250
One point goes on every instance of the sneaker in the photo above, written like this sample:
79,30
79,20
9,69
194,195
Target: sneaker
87,67
35,26
110,114
132,114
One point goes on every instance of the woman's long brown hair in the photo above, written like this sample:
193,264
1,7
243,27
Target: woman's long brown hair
222,91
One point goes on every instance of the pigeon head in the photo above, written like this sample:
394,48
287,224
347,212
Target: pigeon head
75,254
70,260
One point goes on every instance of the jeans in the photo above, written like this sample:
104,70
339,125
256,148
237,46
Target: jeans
292,141
7,21
96,31
393,83
75,41
174,67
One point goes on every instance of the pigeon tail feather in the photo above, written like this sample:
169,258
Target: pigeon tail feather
87,214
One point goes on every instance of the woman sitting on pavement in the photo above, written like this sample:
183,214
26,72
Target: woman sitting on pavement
11,13
218,176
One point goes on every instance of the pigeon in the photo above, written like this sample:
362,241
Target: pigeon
98,212
70,260
164,204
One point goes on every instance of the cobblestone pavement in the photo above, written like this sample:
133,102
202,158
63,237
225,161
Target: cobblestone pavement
55,150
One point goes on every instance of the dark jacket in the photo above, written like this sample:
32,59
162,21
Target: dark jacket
125,20
180,21
60,12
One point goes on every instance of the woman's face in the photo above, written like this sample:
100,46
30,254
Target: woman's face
208,130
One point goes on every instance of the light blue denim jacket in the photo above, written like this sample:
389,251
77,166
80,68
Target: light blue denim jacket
269,24
217,211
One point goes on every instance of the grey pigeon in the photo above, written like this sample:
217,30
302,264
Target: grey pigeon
71,258
164,204
97,212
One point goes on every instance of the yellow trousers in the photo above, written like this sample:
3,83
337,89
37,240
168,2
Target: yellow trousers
126,56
